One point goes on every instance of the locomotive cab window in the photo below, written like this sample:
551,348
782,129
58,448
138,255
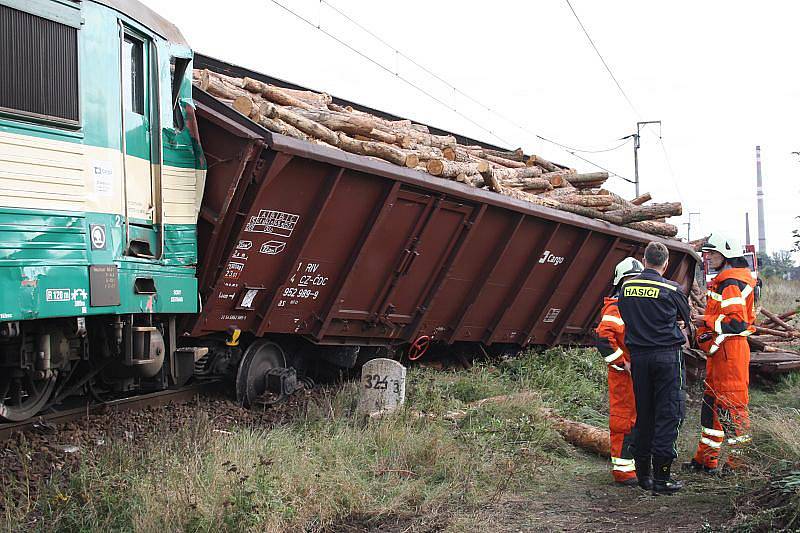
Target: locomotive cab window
39,61
133,74
177,67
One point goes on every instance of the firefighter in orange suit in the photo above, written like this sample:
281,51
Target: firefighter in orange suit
622,405
722,333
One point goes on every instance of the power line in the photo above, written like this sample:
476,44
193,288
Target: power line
387,69
571,149
610,73
397,52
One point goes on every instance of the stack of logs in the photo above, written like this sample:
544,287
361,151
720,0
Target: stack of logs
776,333
314,117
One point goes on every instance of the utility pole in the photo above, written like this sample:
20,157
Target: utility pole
689,225
636,145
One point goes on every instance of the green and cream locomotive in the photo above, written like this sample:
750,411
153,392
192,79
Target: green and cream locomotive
101,179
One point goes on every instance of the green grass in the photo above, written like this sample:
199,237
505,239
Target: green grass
328,465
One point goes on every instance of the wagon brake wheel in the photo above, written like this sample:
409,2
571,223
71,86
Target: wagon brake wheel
260,357
22,395
419,347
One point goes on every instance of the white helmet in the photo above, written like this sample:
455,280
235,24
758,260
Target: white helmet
727,246
627,267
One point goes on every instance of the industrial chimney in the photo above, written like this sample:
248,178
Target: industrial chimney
762,237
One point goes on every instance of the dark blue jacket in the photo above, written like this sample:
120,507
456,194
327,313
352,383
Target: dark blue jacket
651,306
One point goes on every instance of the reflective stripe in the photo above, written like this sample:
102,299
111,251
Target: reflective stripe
718,324
651,282
718,340
713,432
615,367
747,290
733,301
614,356
622,462
714,296
711,443
613,319
741,439
626,468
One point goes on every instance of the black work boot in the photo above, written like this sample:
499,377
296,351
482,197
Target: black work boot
694,466
662,481
643,472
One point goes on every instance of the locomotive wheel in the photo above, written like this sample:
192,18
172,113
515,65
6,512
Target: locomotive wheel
259,357
22,395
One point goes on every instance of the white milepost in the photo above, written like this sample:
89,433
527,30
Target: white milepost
383,386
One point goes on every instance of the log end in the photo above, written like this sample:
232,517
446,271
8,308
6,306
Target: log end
435,167
412,160
449,153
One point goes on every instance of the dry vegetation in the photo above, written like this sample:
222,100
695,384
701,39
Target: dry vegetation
502,468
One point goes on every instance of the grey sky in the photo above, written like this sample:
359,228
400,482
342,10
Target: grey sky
718,74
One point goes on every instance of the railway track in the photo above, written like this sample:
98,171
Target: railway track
7,429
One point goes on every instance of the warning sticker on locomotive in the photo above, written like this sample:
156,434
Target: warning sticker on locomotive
272,222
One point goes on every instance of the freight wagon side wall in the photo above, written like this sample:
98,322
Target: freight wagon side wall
301,239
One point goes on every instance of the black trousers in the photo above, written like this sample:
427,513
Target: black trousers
658,382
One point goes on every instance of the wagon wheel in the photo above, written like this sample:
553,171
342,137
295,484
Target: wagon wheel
260,357
22,395
419,347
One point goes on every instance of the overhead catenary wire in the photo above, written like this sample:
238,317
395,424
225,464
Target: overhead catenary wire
453,87
395,74
602,59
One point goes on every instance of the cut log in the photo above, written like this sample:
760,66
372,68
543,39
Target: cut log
274,94
321,100
663,229
502,161
215,86
450,169
558,178
279,126
307,126
426,153
642,198
528,184
783,316
590,212
777,320
559,192
449,153
247,105
517,155
376,149
649,212
527,197
346,122
777,332
586,200
513,174
544,163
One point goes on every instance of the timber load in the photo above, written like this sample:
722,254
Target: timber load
314,117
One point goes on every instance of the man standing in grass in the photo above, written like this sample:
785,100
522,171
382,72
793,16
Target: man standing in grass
722,333
651,306
610,343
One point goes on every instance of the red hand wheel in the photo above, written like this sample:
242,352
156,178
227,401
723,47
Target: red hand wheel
419,347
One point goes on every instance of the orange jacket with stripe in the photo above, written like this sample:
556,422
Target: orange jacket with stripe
729,319
610,339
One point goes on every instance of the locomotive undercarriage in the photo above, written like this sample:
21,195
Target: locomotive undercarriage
45,363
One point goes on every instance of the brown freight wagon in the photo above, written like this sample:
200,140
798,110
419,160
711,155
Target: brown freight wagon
306,240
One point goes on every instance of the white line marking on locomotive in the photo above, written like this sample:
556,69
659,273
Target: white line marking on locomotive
272,247
548,257
272,222
244,245
58,295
